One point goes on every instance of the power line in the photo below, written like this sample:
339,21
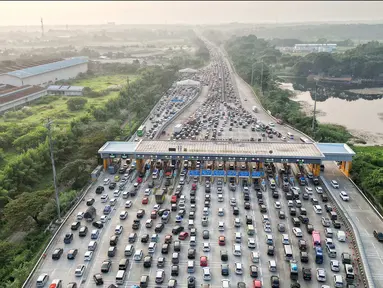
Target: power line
48,126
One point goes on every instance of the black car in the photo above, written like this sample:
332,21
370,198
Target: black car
191,282
136,224
75,225
105,266
57,253
310,228
113,240
191,253
175,270
304,219
145,238
249,220
328,208
98,224
83,231
177,229
98,279
68,238
281,215
270,250
336,224
90,202
100,189
378,235
112,185
140,213
247,206
235,210
159,227
148,261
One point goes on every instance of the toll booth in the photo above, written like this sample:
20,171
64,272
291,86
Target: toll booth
207,174
194,173
232,174
256,175
244,176
219,174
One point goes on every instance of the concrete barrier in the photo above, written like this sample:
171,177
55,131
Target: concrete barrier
82,195
363,265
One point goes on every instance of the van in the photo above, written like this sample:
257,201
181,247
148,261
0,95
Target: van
341,236
250,230
318,209
42,280
328,232
152,247
206,274
92,246
160,276
123,264
191,224
237,250
113,202
254,257
120,277
129,250
191,265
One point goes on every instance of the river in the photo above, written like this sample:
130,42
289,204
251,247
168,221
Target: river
363,118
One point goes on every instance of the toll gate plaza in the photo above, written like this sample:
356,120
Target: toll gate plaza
256,153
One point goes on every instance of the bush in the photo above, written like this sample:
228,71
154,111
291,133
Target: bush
76,104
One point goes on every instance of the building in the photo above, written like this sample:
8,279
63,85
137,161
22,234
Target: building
188,71
315,48
13,97
65,90
189,82
45,74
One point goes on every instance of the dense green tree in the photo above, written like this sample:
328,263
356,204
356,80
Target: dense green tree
76,104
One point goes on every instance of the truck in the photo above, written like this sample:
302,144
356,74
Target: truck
255,109
90,214
160,196
177,128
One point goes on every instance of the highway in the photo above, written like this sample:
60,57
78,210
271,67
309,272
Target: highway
359,210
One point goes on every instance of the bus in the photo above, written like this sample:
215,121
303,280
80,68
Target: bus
141,131
293,270
160,196
316,239
288,252
291,136
349,270
318,255
305,140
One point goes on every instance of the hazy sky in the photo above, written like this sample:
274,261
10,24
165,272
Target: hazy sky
193,12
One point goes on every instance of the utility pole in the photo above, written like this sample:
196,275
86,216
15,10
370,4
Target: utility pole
48,126
262,78
42,28
315,105
252,74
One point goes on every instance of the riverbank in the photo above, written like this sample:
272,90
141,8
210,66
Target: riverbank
368,125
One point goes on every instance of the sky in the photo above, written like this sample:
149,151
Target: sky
15,13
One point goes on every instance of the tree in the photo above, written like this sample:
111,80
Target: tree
25,207
75,173
76,104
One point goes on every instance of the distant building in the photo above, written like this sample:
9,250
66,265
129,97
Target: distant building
45,74
13,97
189,82
65,90
315,48
188,71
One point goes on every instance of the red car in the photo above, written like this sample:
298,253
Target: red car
183,235
203,261
221,241
194,186
153,215
174,199
257,284
139,180
145,200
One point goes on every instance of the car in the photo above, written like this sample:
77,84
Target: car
267,227
335,265
79,271
338,280
123,215
57,253
140,213
281,227
183,235
378,235
106,265
233,202
72,253
221,240
328,241
145,201
334,184
297,232
88,255
98,224
205,234
253,271
251,243
319,189
172,283
344,196
321,275
161,262
75,225
68,238
326,222
238,268
148,192
90,202
80,215
128,204
118,230
309,190
203,261
191,282
206,247
277,205
98,279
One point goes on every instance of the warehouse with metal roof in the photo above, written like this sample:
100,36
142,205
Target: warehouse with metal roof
46,74
66,90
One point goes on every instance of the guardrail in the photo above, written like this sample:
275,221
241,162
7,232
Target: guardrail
43,255
355,237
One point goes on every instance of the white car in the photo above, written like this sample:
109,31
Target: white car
344,196
267,228
251,243
290,203
265,219
277,205
104,218
309,190
225,283
221,226
106,181
220,198
206,247
237,222
334,265
326,222
80,215
88,255
319,190
118,230
233,202
317,209
116,193
104,198
328,241
297,232
271,124
79,270
221,212
334,184
128,204
148,192
156,207
123,215
338,281
321,275
238,268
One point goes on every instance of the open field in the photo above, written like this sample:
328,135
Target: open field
100,83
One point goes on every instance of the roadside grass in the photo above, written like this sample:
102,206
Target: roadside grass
100,83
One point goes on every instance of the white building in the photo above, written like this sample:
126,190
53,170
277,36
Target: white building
65,90
13,97
315,47
189,82
43,75
188,71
